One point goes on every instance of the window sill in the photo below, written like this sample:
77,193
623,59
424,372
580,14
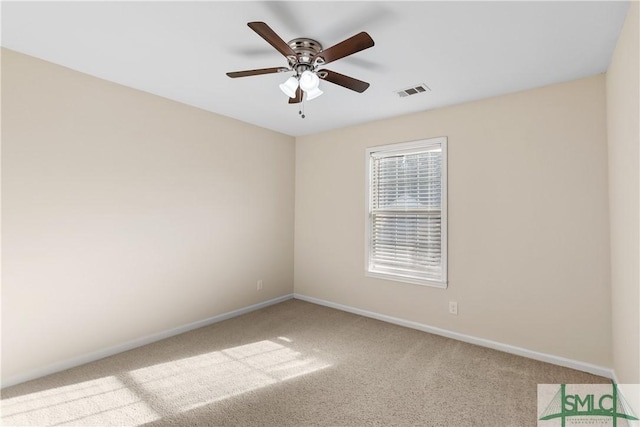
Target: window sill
405,279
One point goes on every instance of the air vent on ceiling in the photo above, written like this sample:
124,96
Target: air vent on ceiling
413,90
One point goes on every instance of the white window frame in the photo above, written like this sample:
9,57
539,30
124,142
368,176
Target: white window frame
407,148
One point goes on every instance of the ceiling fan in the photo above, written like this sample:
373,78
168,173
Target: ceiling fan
305,56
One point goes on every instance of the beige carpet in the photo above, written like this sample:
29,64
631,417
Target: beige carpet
293,364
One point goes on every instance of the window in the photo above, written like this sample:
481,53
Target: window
407,212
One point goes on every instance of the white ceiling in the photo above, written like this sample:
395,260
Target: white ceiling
181,50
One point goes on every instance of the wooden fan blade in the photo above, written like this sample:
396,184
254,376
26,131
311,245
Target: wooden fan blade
257,72
344,81
272,38
360,41
298,98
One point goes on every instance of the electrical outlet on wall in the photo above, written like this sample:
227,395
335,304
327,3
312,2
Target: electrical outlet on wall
453,307
259,285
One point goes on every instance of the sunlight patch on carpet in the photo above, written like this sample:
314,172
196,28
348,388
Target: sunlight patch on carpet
147,394
196,381
104,401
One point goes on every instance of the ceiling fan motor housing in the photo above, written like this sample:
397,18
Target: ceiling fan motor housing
306,51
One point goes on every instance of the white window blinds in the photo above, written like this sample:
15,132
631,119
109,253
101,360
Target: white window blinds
407,212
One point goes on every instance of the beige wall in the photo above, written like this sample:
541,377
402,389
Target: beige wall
125,214
623,128
528,220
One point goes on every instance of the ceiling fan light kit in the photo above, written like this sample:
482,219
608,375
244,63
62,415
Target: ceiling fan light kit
313,93
309,81
290,87
305,56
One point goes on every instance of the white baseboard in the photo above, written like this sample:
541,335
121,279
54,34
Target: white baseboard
543,357
101,354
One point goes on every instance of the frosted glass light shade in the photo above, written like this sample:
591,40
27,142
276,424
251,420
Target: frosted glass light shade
313,93
289,87
309,81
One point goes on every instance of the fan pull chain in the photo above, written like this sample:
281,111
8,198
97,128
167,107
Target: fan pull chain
301,112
